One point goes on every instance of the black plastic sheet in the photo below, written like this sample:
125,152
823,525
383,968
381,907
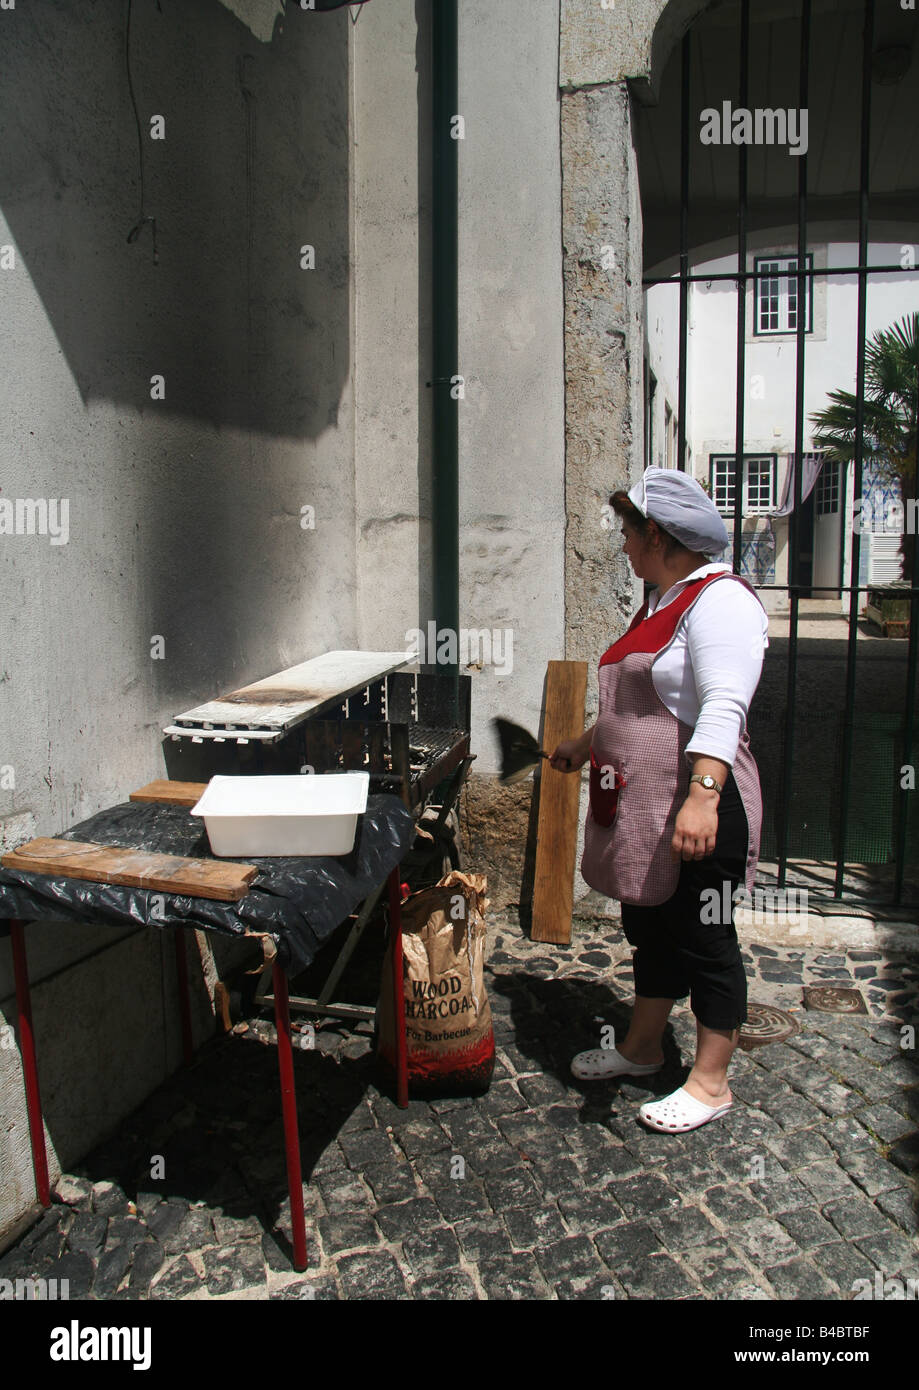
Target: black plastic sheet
298,901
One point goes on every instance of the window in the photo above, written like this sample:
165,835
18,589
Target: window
776,295
759,483
827,490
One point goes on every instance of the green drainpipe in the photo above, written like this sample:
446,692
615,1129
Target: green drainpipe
444,294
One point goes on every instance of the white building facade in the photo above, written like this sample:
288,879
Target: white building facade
830,309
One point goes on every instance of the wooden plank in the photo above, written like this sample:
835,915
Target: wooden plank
281,701
224,880
163,792
559,802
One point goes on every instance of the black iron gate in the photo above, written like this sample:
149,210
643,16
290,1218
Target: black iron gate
835,771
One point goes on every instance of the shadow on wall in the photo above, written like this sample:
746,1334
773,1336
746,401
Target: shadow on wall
253,167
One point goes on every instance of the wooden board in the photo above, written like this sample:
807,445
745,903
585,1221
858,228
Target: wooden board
559,802
167,793
164,873
280,702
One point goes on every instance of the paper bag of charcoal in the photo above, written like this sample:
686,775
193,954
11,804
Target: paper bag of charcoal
449,1035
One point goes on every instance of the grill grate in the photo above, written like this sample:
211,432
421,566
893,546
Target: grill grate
409,730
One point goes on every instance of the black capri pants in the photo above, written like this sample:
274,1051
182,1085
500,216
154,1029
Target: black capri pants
688,945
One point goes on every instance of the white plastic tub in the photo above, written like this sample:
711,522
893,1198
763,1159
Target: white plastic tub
307,814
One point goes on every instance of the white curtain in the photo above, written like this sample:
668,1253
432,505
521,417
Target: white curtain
812,466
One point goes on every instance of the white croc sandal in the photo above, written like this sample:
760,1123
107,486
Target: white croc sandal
679,1112
604,1062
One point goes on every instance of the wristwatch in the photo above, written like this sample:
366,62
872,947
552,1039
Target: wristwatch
707,781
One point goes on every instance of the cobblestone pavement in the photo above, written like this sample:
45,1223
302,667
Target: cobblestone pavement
806,1186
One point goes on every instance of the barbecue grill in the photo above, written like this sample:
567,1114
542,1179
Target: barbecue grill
344,712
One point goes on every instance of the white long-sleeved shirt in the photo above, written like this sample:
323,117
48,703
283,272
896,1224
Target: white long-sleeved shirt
708,674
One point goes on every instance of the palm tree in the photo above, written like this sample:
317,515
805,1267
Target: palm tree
891,417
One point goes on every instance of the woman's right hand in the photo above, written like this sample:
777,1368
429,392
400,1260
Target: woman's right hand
570,755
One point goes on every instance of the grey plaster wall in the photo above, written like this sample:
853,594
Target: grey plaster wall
391,319
512,501
511,344
184,512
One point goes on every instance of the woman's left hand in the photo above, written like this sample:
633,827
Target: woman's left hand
696,828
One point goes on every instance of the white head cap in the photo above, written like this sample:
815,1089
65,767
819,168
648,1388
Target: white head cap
681,506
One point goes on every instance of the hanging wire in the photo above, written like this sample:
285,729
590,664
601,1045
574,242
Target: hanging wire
142,221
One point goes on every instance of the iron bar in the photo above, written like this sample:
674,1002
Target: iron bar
912,665
842,491
794,527
846,588
684,249
289,1115
398,988
809,271
863,209
742,165
29,1063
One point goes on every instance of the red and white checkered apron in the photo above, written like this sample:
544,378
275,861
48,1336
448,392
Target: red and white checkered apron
639,776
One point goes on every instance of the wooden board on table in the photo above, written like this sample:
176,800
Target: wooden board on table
134,868
559,802
166,793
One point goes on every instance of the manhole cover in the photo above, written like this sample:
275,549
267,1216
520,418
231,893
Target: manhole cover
766,1024
830,999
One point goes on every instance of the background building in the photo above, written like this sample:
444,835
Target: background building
831,311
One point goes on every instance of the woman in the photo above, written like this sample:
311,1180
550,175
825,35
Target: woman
675,808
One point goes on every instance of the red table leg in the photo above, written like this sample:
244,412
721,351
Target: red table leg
289,1112
398,989
29,1068
184,997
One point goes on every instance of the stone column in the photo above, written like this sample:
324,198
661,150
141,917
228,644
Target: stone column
601,231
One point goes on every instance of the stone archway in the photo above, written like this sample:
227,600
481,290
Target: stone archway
631,41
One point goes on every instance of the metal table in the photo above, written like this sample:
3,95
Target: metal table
384,835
